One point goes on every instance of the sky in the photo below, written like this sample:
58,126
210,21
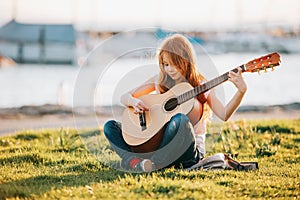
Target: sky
126,14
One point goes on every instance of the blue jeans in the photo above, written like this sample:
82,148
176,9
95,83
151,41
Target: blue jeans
177,148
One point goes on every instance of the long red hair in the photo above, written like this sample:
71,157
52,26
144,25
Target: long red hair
182,56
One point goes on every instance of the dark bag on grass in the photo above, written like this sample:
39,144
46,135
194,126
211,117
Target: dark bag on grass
222,161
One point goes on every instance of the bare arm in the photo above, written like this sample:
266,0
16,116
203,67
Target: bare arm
131,99
225,112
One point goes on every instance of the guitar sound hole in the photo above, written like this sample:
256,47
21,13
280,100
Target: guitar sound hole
171,104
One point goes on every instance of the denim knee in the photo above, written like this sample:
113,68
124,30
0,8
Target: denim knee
183,125
177,121
180,118
109,128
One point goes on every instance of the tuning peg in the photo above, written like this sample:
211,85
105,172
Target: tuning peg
258,71
272,68
265,70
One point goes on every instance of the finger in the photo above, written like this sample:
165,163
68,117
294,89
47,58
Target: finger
139,107
137,111
240,70
233,78
231,75
143,106
230,79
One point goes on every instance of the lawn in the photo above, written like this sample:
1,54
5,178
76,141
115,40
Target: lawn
79,164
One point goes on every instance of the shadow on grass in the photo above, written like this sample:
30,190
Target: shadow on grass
35,159
276,128
38,185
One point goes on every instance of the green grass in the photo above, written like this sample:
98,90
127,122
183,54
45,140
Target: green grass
55,164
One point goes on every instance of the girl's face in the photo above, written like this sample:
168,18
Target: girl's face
171,70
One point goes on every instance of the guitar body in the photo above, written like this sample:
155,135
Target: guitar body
148,140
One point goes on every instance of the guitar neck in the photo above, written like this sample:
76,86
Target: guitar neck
206,86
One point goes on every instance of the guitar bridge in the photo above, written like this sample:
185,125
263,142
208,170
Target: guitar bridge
143,123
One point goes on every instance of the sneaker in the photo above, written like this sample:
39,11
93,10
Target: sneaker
145,165
138,165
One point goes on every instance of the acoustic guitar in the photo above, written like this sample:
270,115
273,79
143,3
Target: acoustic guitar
143,132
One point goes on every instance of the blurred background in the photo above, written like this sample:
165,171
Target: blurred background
43,43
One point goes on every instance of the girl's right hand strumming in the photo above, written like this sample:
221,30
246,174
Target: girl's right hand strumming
139,106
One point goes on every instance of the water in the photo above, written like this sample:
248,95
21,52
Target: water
46,84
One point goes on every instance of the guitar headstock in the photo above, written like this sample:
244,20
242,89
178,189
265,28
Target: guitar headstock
263,63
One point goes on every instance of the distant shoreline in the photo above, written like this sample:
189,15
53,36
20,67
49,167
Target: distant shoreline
53,109
261,108
56,116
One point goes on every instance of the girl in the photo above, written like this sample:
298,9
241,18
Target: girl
183,140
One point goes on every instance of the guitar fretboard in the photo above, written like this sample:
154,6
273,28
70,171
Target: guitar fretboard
206,86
